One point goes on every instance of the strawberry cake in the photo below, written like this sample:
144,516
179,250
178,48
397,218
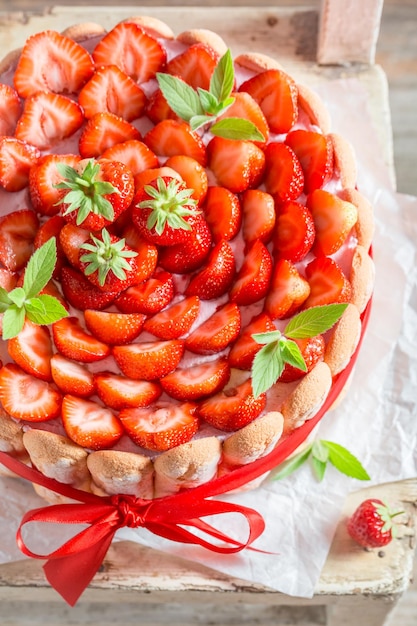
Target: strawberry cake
184,257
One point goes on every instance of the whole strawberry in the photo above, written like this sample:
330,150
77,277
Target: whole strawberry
371,525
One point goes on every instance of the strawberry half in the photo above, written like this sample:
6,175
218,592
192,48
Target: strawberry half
89,424
162,426
288,291
73,342
231,409
193,174
16,160
223,213
217,332
315,153
28,398
131,49
198,381
50,61
149,360
328,284
119,392
277,94
80,293
103,131
71,377
284,176
181,259
43,179
216,277
31,349
114,328
10,109
245,107
71,238
195,65
17,234
174,321
111,90
237,165
134,154
172,137
48,118
254,276
333,217
244,349
149,297
294,232
258,213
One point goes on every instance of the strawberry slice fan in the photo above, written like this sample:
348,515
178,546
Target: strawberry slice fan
70,568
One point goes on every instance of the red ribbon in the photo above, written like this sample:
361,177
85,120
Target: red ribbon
70,568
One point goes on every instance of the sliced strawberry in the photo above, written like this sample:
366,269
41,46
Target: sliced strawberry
119,392
193,174
294,232
133,153
150,360
158,109
245,107
8,279
223,213
135,52
254,276
52,62
28,398
71,238
244,349
31,349
328,284
147,176
48,118
114,328
16,159
195,65
10,109
17,234
162,426
333,218
44,177
71,377
198,381
216,277
111,90
103,131
258,215
231,409
217,332
312,350
315,153
89,424
171,137
288,290
284,176
149,297
276,93
237,165
181,259
73,342
174,321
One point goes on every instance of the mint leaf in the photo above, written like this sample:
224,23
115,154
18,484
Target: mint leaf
197,121
209,101
319,468
290,465
223,78
267,367
40,268
5,301
45,310
182,98
18,296
291,354
237,128
267,337
314,321
345,462
13,321
320,451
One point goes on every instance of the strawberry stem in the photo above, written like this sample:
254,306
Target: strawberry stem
169,204
105,255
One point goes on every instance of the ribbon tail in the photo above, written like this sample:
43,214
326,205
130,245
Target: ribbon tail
70,574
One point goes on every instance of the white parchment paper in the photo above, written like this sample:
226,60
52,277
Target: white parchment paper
377,421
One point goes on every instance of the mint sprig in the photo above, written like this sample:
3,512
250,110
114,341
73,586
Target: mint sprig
280,348
322,452
201,107
28,301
